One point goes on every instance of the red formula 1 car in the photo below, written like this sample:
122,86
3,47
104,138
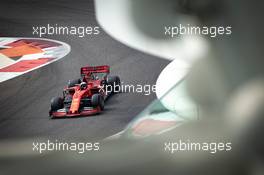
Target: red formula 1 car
85,96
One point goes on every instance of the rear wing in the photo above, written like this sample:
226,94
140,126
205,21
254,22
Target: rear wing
95,69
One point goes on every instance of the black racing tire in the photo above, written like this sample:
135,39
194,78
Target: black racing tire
73,83
118,84
98,100
115,82
56,104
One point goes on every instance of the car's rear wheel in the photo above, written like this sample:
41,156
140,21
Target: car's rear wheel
73,83
98,100
115,82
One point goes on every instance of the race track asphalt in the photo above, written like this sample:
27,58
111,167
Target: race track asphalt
25,101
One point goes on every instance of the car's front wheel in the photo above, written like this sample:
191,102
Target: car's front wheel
98,100
56,103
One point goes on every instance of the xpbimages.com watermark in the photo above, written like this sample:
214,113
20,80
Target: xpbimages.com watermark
146,89
211,31
79,147
79,31
187,145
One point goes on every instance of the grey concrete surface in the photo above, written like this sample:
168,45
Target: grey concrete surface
25,100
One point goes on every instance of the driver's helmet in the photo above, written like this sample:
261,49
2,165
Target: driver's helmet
83,85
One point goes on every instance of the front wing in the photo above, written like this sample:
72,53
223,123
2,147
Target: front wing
85,112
